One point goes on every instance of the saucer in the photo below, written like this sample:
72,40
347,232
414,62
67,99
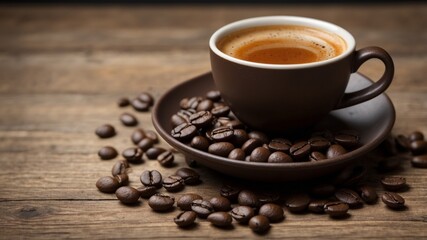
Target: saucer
373,120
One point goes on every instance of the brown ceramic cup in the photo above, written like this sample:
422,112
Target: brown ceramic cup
291,97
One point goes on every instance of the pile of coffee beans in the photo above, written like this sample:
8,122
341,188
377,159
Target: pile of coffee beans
206,123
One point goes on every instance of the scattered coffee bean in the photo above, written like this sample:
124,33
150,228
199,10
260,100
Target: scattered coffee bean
107,153
123,179
137,135
335,150
230,192
347,139
147,191
184,202
173,183
300,150
317,206
189,176
152,135
128,119
393,200
279,144
402,143
250,145
240,136
220,203
213,95
185,219
418,147
127,195
151,178
318,143
200,142
139,105
367,193
153,152
202,207
145,144
119,167
105,131
393,183
166,158
123,102
184,131
161,202
201,119
260,154
147,98
242,214
248,198
419,161
267,197
259,224
316,156
107,184
349,197
416,136
272,211
133,155
297,202
336,209
221,148
237,154
279,157
221,111
220,219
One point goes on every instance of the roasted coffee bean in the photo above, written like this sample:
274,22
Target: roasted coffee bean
166,158
250,145
147,191
319,143
214,95
260,136
220,203
279,144
418,147
189,176
107,153
260,154
222,121
267,197
202,207
177,120
139,105
221,148
123,179
336,209
190,103
391,163
128,119
184,202
230,192
393,200
123,102
350,197
419,161
322,190
151,178
297,202
133,155
347,139
393,183
137,135
367,193
242,214
316,156
153,152
317,206
300,150
173,183
248,198
402,143
201,119
235,124
107,184
220,219
119,167
237,154
184,131
146,97
186,114
416,136
145,144
205,105
161,202
185,219
272,211
221,111
259,224
152,135
200,142
335,150
222,134
240,136
279,157
105,131
127,195
325,134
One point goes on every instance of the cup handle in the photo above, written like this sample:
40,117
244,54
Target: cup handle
360,57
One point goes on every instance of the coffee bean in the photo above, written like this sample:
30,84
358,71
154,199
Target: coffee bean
279,144
221,148
184,131
351,175
151,178
123,179
147,98
186,114
127,195
222,121
184,202
173,183
133,155
220,203
267,197
416,136
213,95
189,176
220,219
259,224
190,103
201,119
300,150
260,136
336,209
205,105
145,144
105,131
250,145
240,136
107,184
248,198
317,206
297,202
242,214
319,143
393,183
418,147
128,119
335,150
202,207
260,154
230,192
200,142
350,197
185,219
137,135
347,139
272,211
222,134
367,193
402,143
123,102
166,158
237,154
322,190
161,202
235,124
419,161
139,105
393,200
221,111
119,167
147,191
316,156
153,152
279,157
178,120
107,153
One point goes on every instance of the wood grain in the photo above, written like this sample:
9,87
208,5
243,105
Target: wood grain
62,68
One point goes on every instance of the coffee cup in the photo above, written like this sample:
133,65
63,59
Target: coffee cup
285,73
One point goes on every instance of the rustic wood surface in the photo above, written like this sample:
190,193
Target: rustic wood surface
62,68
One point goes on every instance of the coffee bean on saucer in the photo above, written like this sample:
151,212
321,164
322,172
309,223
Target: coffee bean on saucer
251,144
220,219
272,211
127,195
317,205
240,136
335,150
137,135
220,203
416,136
221,148
145,144
184,202
214,95
318,143
350,197
260,136
201,119
133,155
119,167
184,131
297,202
190,103
123,102
105,131
248,198
300,150
367,193
402,143
153,152
147,98
230,192
107,184
221,111
177,120
393,183
259,154
393,200
419,161
107,153
317,156
128,119
279,157
185,219
139,105
347,138
152,135
222,134
336,209
151,178
147,191
173,183
259,224
202,207
161,202
235,124
166,158
189,176
205,105
279,144
200,142
418,147
242,214
185,114
237,154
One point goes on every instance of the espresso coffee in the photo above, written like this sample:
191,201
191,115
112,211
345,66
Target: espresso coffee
282,44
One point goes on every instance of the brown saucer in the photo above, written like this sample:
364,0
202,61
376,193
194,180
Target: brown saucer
373,120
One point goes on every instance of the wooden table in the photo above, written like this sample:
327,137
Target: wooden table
62,68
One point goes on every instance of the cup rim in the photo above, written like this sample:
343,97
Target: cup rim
277,20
